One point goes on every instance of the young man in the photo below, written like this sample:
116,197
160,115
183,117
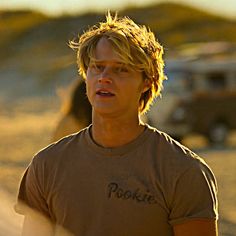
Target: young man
119,176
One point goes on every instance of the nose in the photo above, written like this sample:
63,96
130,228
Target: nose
105,76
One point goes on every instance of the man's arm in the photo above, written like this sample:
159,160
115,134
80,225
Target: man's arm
196,227
37,225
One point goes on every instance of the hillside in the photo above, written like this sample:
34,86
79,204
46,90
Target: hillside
176,24
35,58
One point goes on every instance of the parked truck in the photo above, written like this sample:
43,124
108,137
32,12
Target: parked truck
199,97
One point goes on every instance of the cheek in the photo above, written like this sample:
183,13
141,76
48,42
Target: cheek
133,92
89,87
89,79
88,74
141,87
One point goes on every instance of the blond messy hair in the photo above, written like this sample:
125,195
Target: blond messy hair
135,45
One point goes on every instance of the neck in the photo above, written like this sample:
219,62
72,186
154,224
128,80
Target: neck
114,132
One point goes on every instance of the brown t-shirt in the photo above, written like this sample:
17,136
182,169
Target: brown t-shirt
140,189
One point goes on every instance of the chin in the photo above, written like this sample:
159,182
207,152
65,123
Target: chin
105,111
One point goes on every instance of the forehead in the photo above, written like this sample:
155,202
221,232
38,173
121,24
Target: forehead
105,51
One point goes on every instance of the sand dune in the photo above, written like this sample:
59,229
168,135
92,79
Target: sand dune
10,222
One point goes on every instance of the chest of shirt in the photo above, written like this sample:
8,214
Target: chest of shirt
98,197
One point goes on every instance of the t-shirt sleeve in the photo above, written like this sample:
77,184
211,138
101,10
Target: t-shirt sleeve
31,197
195,196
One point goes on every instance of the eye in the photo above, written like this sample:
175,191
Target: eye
96,68
122,69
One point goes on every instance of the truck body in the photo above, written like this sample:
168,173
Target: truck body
199,97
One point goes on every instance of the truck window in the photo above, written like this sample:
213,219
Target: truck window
216,80
177,82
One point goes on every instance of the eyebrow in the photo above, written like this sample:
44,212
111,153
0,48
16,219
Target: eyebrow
107,62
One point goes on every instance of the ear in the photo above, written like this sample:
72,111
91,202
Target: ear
146,85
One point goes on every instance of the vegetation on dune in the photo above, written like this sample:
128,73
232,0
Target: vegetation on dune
166,19
16,23
37,42
177,24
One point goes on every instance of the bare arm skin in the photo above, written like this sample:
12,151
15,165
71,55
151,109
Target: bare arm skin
198,227
37,225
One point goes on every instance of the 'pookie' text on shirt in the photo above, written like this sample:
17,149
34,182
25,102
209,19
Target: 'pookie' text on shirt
115,191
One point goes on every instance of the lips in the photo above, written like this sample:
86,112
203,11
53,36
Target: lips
104,93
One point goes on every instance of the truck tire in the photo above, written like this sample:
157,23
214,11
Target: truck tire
218,133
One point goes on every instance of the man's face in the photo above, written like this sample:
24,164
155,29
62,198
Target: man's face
113,87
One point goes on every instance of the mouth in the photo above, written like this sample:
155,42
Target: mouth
105,93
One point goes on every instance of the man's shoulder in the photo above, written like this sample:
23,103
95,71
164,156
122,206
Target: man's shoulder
62,148
172,152
170,159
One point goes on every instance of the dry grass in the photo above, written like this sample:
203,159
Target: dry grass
28,133
23,133
223,164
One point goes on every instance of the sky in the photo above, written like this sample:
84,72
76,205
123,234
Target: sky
226,8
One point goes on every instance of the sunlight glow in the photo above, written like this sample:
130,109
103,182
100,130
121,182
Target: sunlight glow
57,7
